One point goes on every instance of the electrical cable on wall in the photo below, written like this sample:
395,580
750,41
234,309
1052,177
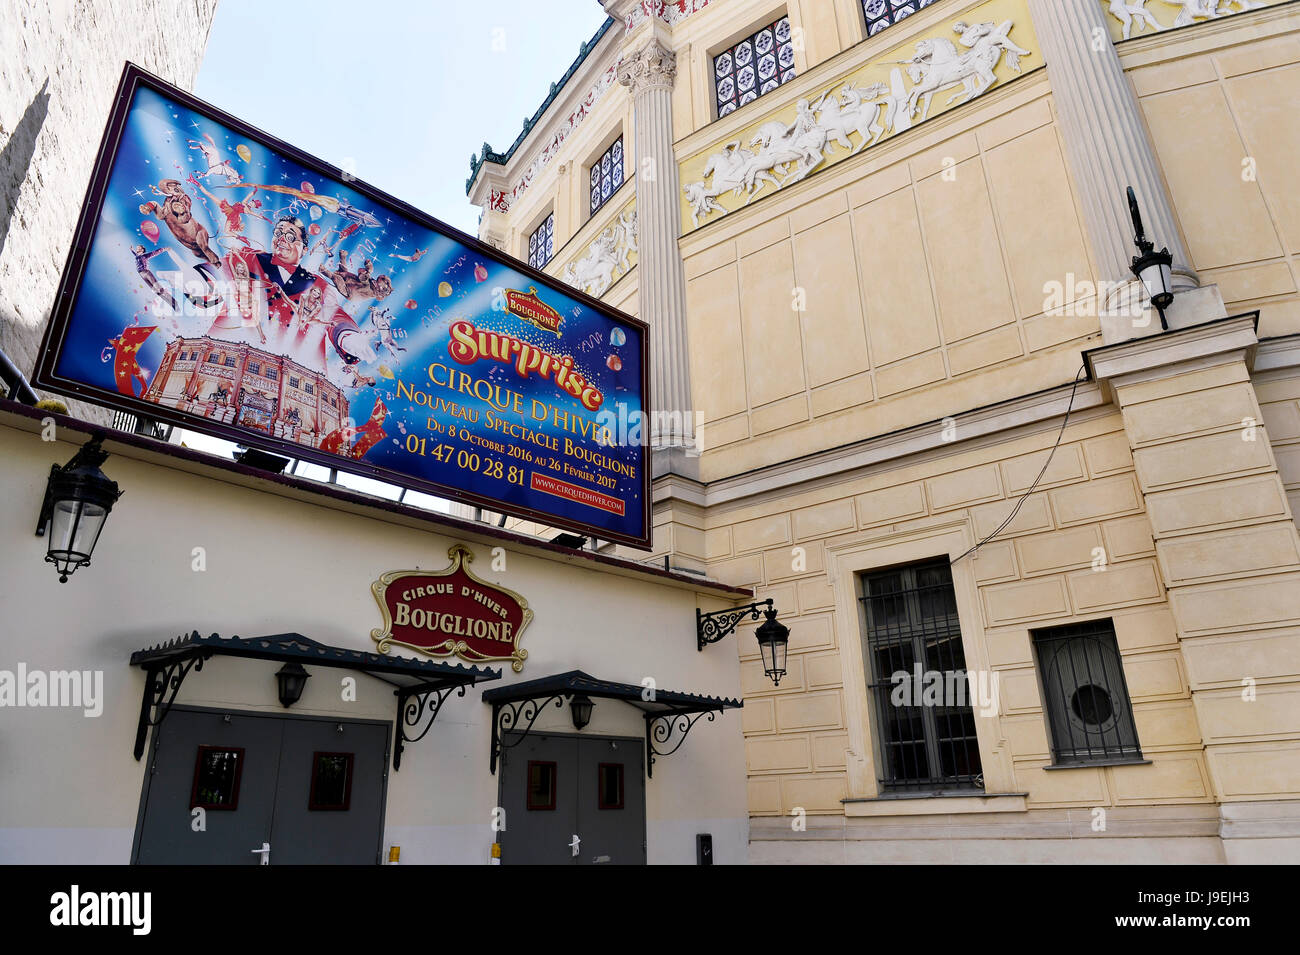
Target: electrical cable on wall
1051,454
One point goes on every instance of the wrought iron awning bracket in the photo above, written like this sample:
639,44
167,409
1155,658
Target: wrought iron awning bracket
659,728
162,681
506,717
712,627
414,703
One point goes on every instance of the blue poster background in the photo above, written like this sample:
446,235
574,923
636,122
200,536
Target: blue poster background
435,420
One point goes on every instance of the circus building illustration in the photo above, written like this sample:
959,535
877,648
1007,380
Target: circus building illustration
250,388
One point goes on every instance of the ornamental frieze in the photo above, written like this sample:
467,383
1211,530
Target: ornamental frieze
1130,18
942,69
608,257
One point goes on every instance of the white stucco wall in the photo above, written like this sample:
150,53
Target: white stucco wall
71,789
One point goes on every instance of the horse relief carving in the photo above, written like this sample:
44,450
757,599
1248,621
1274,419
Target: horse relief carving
781,153
606,259
1134,16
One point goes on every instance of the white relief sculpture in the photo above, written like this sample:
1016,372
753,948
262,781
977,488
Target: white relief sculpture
937,64
1129,12
781,153
607,258
792,151
856,110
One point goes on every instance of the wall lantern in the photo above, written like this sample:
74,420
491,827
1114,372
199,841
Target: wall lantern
773,637
581,706
78,498
291,679
1153,268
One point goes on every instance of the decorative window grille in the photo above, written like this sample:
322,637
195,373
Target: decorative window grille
881,14
927,741
541,244
606,175
1085,695
756,65
230,361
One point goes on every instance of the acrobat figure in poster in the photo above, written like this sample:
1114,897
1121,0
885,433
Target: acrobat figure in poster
324,244
176,212
235,211
355,378
142,257
216,165
413,257
382,319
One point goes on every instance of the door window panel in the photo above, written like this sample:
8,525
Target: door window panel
331,782
216,778
541,784
610,782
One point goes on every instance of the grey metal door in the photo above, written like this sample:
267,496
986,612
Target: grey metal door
224,786
539,792
329,807
573,800
210,794
611,801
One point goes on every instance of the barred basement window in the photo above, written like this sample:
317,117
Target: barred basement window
885,13
756,65
1085,695
916,675
606,175
542,243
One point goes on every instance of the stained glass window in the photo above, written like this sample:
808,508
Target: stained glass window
756,65
885,13
606,175
542,243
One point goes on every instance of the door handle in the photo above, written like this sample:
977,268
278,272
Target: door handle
575,844
264,852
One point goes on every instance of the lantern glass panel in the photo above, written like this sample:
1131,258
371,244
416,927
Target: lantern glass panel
74,527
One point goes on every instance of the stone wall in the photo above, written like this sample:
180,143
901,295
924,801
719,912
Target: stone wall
60,62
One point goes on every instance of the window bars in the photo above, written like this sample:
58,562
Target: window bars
916,672
541,244
1085,695
606,175
756,65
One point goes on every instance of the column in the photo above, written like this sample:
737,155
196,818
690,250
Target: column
648,68
1229,553
1108,149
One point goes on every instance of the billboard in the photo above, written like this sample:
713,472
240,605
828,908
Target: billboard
226,282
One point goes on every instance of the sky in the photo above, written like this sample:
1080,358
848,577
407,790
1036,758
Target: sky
398,92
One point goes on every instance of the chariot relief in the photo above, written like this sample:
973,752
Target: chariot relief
779,153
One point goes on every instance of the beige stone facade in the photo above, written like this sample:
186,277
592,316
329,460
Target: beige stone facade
883,345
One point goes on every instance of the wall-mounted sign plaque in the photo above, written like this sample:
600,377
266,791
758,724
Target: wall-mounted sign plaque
451,612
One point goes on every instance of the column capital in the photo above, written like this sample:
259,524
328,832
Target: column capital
651,66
